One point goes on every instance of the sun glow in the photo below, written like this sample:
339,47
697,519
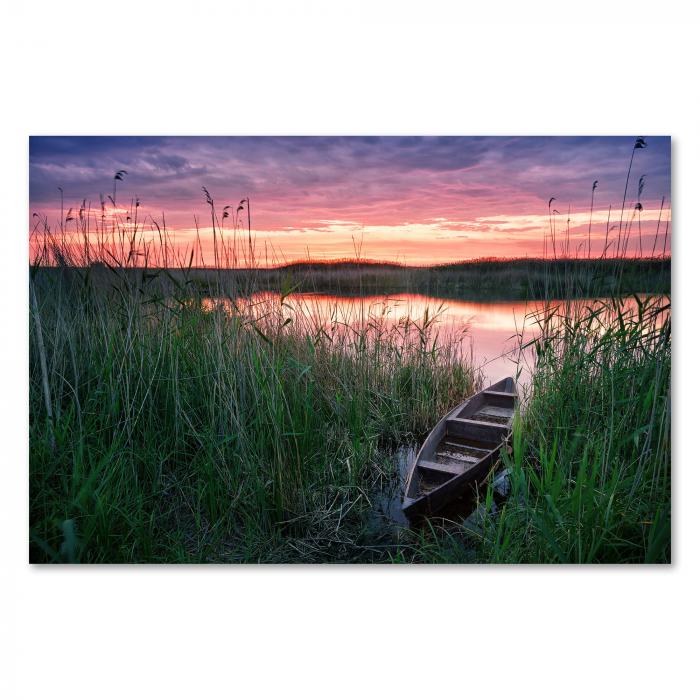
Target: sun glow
415,201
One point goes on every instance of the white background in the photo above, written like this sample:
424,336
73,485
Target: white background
347,68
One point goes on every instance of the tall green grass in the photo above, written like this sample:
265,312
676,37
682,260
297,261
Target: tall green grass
591,460
169,424
590,464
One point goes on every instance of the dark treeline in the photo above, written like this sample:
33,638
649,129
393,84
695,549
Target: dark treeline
492,279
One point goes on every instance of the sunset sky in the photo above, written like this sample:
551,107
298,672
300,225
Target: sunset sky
417,200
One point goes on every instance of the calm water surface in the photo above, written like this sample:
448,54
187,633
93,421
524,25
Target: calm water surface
486,330
489,332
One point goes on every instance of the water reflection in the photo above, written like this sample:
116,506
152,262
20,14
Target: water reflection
388,501
489,331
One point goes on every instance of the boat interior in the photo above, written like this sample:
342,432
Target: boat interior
467,435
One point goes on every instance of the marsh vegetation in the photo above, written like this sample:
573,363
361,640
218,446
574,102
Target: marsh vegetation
178,415
167,428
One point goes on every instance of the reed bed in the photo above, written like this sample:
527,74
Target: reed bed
591,463
590,467
522,279
168,424
172,424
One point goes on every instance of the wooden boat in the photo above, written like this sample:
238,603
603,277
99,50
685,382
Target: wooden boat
461,449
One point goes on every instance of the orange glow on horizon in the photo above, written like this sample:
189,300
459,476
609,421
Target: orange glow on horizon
407,200
434,242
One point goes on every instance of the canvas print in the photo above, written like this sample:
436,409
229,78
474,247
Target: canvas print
350,349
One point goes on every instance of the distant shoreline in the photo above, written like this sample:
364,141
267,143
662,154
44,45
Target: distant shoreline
527,278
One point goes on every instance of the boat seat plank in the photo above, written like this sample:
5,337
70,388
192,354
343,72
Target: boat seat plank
440,467
472,445
487,432
500,398
500,411
469,451
455,455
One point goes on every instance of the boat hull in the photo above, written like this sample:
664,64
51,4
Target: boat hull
461,450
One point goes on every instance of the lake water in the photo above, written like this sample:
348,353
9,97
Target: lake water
486,330
489,332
